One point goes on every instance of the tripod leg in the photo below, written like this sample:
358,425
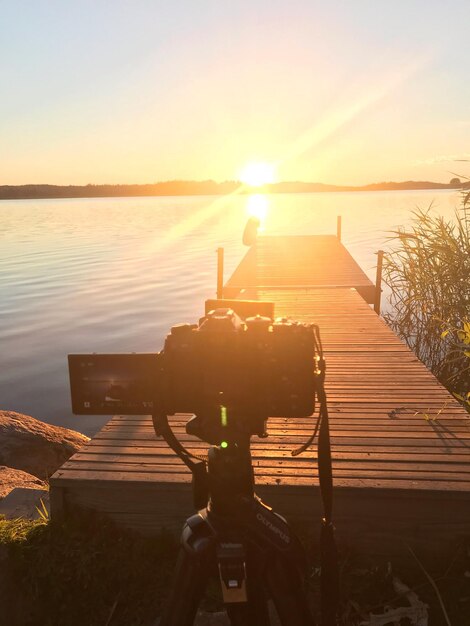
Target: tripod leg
188,586
254,612
285,587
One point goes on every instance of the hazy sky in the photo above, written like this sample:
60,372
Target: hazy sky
139,91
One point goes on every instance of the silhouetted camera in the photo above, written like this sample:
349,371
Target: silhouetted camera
231,373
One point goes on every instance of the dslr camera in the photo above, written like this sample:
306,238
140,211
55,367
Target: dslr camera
230,373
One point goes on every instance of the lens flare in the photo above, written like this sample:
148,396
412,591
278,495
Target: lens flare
223,416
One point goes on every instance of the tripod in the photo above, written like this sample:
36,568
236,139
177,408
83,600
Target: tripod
251,547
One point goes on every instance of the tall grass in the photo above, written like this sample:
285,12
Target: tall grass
428,272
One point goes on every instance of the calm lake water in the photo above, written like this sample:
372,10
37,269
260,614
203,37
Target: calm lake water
114,274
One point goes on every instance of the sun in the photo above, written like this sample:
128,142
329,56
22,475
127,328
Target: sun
259,173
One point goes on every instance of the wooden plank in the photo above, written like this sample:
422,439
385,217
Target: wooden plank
274,460
96,476
289,470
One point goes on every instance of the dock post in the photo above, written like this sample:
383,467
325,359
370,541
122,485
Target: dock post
338,227
378,281
220,273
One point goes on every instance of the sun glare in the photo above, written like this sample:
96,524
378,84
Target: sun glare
258,174
258,206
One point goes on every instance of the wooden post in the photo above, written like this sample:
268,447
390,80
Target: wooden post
338,227
378,281
220,273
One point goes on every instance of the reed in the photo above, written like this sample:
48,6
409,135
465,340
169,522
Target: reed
428,273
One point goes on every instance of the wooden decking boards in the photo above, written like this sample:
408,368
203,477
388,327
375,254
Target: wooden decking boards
401,442
300,261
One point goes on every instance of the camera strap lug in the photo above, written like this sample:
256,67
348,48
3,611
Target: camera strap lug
231,561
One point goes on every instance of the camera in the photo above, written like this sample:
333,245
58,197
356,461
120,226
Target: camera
229,372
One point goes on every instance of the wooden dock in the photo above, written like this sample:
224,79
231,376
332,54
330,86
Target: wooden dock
302,261
401,443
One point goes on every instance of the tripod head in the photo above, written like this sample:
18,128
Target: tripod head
218,427
226,471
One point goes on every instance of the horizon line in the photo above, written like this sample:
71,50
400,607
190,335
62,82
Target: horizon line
455,180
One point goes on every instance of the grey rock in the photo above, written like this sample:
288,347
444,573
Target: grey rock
211,619
35,447
204,618
220,618
25,503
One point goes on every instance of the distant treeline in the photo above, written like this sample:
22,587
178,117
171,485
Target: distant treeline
170,188
206,187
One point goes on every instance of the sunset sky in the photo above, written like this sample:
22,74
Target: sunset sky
141,91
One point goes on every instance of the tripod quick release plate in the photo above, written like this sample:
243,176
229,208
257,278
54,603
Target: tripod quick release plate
231,561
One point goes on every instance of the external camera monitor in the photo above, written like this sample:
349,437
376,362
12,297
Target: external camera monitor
109,384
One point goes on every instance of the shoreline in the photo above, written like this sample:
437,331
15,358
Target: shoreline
206,188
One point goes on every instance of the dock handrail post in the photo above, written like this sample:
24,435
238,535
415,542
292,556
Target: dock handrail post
220,273
338,227
378,281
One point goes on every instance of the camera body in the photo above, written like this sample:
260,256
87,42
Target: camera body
231,373
252,367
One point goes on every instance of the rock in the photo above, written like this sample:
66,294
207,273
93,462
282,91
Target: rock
11,478
211,619
35,447
220,618
204,618
25,503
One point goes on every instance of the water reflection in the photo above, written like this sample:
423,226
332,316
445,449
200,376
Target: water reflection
257,205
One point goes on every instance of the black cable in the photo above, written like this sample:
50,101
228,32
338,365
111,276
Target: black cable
163,429
329,583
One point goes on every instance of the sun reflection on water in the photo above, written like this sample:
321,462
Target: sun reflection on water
257,205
